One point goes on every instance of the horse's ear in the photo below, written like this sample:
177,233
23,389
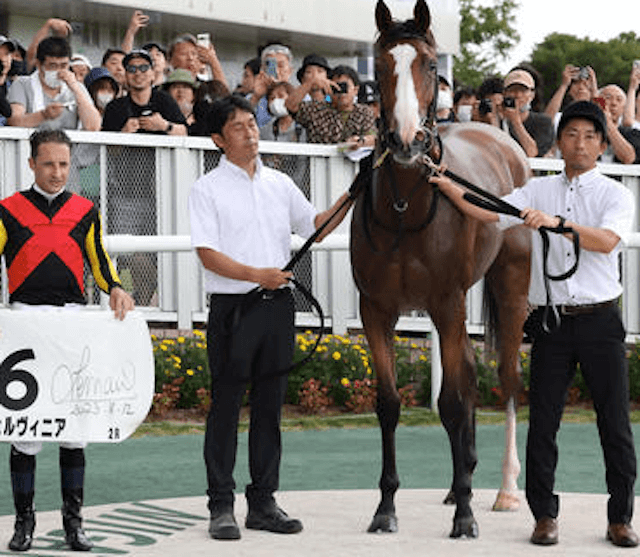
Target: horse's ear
383,17
422,16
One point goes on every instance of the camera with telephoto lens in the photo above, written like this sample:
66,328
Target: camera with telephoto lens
485,107
509,102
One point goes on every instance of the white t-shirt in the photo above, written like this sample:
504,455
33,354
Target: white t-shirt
248,219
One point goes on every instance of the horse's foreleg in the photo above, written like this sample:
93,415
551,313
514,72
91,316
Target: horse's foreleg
457,412
379,331
507,499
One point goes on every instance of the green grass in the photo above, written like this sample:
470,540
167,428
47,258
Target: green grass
409,417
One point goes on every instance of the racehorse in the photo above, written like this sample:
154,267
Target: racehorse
412,249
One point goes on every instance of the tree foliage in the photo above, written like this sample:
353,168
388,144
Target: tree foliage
487,34
612,60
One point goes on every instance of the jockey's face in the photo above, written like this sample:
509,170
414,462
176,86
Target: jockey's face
51,166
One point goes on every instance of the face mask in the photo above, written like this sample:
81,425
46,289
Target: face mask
52,80
526,107
445,100
103,99
464,113
277,108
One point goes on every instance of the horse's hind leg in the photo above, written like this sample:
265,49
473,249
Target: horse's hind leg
379,331
507,286
457,412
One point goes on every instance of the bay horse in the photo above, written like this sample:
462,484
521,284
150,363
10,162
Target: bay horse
412,249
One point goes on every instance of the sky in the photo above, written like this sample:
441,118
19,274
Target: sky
535,19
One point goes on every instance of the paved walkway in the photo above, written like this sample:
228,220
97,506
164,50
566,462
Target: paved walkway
335,524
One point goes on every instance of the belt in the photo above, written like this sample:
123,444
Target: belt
585,308
261,295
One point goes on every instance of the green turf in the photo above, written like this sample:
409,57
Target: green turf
172,466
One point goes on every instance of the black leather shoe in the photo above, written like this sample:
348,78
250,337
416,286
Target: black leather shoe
545,532
622,535
77,540
23,532
273,519
224,527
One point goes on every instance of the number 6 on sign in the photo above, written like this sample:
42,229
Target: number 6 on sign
73,375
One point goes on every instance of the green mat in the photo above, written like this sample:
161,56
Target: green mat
162,467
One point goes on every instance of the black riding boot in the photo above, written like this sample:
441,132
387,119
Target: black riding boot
23,469
72,482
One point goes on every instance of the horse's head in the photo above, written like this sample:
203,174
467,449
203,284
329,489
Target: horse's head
406,70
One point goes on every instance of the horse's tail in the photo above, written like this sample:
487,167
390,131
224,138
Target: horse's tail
490,318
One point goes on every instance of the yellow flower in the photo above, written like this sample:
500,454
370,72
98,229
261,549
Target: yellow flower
154,337
336,355
176,359
345,382
422,358
163,347
177,366
414,345
190,372
181,340
493,364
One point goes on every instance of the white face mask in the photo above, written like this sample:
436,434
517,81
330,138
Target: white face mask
277,108
52,80
186,107
464,113
103,99
445,100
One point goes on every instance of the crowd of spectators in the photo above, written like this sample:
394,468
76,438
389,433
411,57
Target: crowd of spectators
168,90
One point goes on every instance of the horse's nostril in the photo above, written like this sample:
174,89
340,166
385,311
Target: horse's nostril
420,136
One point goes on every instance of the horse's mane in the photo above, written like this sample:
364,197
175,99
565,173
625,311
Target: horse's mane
404,30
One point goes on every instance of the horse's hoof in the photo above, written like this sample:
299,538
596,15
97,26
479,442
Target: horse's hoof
506,501
450,499
464,527
384,523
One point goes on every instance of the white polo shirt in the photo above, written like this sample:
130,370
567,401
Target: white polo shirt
590,199
248,219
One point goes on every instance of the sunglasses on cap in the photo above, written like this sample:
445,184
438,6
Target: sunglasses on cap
131,68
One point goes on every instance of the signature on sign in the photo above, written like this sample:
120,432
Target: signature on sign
78,383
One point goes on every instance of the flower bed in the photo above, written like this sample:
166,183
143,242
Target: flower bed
339,376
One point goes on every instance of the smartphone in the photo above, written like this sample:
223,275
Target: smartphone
600,101
271,68
203,39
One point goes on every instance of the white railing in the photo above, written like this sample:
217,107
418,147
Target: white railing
180,161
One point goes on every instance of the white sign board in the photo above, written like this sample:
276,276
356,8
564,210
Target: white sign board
73,375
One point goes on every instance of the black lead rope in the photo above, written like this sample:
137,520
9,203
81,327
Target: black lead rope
254,296
490,202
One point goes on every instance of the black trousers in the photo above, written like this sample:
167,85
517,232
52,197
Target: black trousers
595,341
251,350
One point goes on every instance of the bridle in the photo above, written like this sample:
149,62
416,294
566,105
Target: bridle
426,146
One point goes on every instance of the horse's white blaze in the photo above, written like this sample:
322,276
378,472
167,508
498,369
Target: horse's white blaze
407,108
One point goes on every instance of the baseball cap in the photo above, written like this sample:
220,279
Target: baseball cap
78,59
586,110
137,53
519,77
4,40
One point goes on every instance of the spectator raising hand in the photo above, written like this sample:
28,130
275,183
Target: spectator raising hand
631,115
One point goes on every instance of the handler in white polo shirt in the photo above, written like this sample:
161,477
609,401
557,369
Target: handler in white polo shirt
242,217
590,332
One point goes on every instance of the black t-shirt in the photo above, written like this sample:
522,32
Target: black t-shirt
120,110
632,135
